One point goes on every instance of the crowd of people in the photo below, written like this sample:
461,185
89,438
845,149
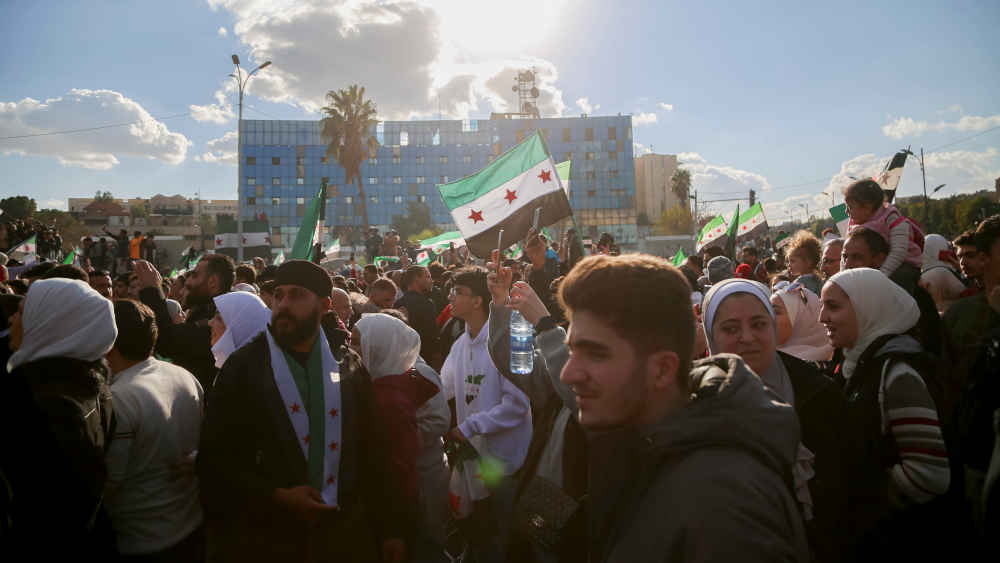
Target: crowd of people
830,400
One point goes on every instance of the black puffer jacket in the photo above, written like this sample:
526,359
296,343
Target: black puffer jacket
56,423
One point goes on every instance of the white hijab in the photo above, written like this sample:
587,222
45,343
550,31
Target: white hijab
245,316
880,305
388,345
64,318
808,340
934,245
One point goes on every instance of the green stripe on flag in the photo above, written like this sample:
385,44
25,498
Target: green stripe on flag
679,258
508,166
302,249
839,213
71,257
380,260
563,169
443,239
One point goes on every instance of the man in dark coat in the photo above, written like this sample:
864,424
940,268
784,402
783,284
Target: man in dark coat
420,309
188,344
270,484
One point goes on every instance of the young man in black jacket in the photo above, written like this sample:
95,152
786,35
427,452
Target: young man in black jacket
188,344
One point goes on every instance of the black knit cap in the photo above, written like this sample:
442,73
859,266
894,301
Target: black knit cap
306,274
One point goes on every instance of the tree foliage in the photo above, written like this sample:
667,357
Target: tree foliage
103,196
349,119
680,184
17,207
675,221
417,219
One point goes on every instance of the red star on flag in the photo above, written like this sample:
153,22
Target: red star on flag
511,196
333,412
455,501
546,176
295,407
306,439
244,240
267,239
333,446
218,242
476,216
329,480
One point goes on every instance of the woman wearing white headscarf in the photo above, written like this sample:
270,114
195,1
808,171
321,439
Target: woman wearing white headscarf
739,320
938,274
800,333
904,462
56,420
404,386
239,317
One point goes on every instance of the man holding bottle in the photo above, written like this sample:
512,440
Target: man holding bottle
492,415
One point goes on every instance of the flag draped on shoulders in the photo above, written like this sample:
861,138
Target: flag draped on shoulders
505,195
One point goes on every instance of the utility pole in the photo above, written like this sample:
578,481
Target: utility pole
694,215
924,176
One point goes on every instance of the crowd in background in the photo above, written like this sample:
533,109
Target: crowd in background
828,399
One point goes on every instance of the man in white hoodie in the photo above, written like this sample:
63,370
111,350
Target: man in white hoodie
490,412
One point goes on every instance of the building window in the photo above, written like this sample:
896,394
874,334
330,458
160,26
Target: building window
275,201
591,193
566,135
372,180
613,173
591,175
421,180
444,180
251,160
300,161
569,156
628,132
589,134
467,159
618,191
613,155
413,189
490,158
397,179
612,133
395,160
613,145
590,156
275,160
259,191
404,138
300,181
348,199
519,136
332,190
372,161
324,180
422,198
324,160
300,201
397,199
251,201
373,199
443,159
420,160
275,181
251,181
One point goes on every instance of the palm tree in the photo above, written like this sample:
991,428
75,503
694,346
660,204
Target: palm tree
680,185
349,118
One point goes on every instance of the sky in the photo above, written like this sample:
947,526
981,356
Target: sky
788,99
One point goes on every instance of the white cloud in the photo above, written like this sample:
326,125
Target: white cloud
954,108
59,204
586,107
410,56
644,119
221,150
98,150
640,149
665,106
904,126
220,112
715,178
222,32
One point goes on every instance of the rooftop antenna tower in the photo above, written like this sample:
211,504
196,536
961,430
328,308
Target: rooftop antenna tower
527,93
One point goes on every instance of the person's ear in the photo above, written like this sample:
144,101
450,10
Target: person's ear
662,368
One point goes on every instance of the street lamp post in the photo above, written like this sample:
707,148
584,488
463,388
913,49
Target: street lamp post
241,83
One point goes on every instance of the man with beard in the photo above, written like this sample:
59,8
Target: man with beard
188,344
292,461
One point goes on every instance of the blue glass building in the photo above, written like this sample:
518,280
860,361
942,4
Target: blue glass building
284,165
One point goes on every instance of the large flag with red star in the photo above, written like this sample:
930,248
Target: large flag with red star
752,222
256,238
505,195
889,178
714,232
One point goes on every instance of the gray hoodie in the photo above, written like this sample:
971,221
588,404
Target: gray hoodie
710,482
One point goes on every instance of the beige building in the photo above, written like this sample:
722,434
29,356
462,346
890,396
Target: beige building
653,195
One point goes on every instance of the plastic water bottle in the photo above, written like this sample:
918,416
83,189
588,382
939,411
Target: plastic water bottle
522,345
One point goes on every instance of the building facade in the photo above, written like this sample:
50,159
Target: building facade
284,163
653,194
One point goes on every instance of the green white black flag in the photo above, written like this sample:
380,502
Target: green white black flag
505,194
